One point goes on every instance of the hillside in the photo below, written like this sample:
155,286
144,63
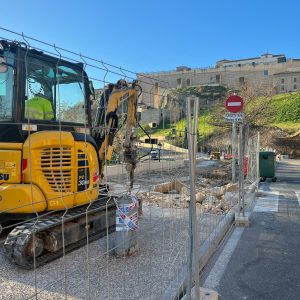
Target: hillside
282,111
206,124
276,118
287,112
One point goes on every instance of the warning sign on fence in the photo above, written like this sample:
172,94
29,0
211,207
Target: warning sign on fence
127,214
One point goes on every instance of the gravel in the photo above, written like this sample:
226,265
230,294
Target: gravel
90,273
93,273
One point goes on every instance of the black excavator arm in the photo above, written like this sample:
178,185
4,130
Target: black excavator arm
122,94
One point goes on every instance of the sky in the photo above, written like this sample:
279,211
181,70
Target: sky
159,35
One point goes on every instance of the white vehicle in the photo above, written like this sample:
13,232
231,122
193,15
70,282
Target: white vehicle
154,154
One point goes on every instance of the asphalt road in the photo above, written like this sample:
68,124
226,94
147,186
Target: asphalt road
262,261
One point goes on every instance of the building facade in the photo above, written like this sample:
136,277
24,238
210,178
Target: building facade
268,71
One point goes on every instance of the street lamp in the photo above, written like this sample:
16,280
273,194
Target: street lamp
159,145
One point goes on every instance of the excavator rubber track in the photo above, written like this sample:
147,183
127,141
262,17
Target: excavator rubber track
18,240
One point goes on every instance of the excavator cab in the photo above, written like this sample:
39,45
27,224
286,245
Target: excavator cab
26,74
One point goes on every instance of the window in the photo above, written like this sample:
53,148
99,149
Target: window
156,88
178,82
188,82
6,86
61,89
281,59
282,80
218,78
70,103
282,87
295,79
266,72
295,86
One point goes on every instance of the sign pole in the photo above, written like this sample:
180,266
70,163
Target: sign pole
257,157
233,150
234,105
241,170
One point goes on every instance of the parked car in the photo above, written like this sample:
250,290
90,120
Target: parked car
154,154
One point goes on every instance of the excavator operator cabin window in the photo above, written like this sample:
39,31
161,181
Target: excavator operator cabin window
6,85
54,92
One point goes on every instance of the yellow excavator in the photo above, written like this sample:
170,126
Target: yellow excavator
51,166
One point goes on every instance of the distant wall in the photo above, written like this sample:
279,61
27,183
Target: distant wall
270,74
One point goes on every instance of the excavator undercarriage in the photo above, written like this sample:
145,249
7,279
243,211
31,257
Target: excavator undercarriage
41,240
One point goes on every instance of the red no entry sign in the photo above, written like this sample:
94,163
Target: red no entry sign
234,104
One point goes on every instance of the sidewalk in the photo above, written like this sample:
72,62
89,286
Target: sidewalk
262,261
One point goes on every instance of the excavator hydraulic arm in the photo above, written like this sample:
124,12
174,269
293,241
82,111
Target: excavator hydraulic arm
121,95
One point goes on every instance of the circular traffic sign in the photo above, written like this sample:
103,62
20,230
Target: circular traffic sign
234,104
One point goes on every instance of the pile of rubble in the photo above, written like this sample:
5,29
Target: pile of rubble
209,198
220,200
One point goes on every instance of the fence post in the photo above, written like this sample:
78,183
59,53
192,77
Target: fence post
193,244
196,237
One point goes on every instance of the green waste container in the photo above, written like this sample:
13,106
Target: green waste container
267,165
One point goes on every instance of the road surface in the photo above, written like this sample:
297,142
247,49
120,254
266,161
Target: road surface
262,261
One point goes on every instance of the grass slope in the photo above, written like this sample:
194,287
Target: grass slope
282,111
205,123
286,108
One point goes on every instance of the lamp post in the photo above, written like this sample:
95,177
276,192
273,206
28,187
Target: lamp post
159,145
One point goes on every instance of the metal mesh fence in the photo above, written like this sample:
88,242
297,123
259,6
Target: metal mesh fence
74,230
